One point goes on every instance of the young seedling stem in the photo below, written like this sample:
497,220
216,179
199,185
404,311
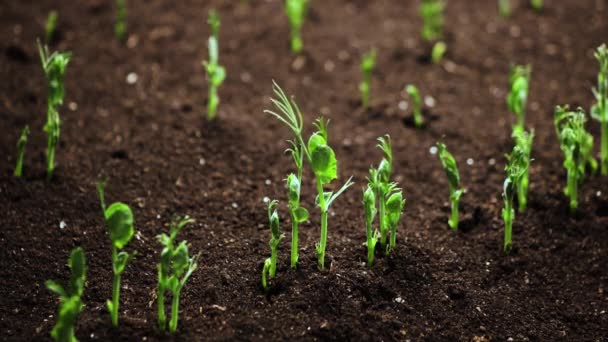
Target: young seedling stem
296,13
215,72
414,95
120,27
451,170
599,111
367,70
519,80
21,143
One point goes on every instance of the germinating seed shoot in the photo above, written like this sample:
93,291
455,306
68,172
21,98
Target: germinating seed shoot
451,170
21,151
215,72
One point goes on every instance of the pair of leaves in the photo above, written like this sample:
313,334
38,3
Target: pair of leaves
449,165
119,220
323,159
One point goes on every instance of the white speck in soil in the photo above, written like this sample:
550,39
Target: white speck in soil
399,300
598,194
202,162
132,78
403,105
433,150
73,106
492,161
470,161
266,199
62,224
429,101
267,182
234,205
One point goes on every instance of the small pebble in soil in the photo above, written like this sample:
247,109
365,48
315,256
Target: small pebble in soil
267,182
265,199
433,150
234,205
325,110
329,66
598,194
403,105
470,161
245,77
132,78
62,224
202,162
429,101
492,161
73,106
399,300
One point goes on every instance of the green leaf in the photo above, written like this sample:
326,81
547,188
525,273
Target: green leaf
301,214
323,159
56,288
293,187
394,208
180,258
77,264
119,219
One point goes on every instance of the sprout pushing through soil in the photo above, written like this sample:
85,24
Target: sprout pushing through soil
296,13
70,302
50,27
367,68
516,168
119,221
519,79
215,72
21,151
599,111
524,140
504,8
297,213
174,269
577,146
120,26
270,264
451,170
439,49
54,70
414,95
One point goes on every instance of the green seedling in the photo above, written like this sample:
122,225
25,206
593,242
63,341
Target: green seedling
451,170
174,269
320,156
537,4
270,265
297,213
296,13
599,111
439,50
504,8
367,69
120,27
215,72
54,70
70,302
519,80
414,95
50,27
369,203
577,146
524,140
432,18
516,168
21,151
119,222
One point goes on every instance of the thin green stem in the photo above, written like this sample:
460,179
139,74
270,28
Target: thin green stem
115,290
604,152
573,189
162,317
273,260
323,242
174,311
453,222
381,219
294,241
507,214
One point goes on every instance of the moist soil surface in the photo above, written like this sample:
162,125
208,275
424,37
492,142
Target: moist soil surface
160,156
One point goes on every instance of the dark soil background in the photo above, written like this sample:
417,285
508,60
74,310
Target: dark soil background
163,158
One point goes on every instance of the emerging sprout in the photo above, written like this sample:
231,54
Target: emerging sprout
577,146
367,69
174,269
296,12
432,19
270,264
504,8
319,154
70,303
54,70
599,110
519,79
369,203
297,213
21,151
524,140
120,27
50,26
414,95
451,170
537,4
516,168
215,72
439,49
119,221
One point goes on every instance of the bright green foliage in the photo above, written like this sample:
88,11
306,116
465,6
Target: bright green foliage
54,70
70,303
451,170
577,146
432,17
21,151
120,27
504,8
367,69
319,154
516,168
296,12
414,95
537,4
390,203
524,140
297,213
599,111
174,269
119,221
215,72
50,27
519,79
270,264
439,50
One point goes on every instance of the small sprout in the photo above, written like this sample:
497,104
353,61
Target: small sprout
120,27
367,69
451,170
439,50
369,203
432,17
395,203
599,111
524,140
414,95
519,79
50,27
504,8
296,12
174,269
516,168
537,4
215,72
70,302
119,221
577,146
54,70
297,213
270,265
21,151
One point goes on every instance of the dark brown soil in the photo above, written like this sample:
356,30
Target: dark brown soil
150,140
